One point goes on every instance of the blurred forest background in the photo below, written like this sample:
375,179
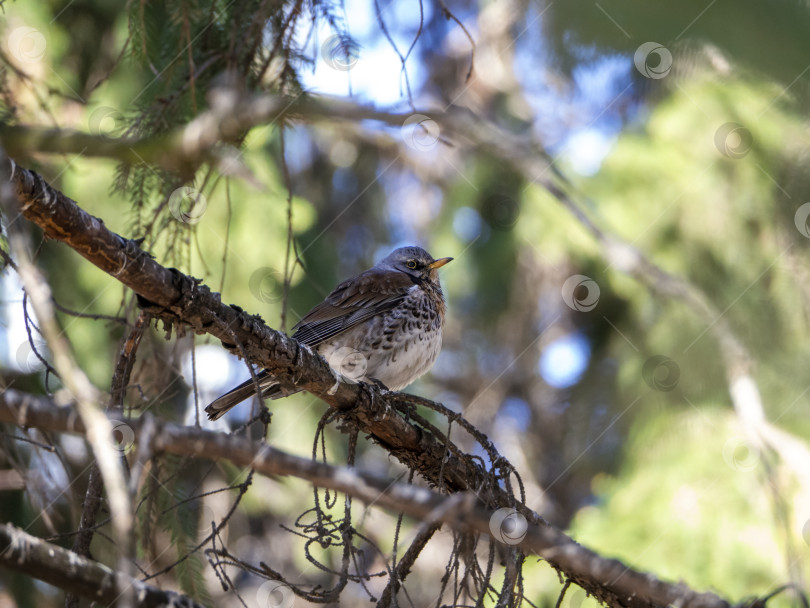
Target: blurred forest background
680,129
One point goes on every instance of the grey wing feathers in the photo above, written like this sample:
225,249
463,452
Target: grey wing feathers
369,294
351,303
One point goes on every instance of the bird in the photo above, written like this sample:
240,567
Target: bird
382,326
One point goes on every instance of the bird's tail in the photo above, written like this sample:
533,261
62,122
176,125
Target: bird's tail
266,383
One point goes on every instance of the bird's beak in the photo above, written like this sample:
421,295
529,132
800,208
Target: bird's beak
439,263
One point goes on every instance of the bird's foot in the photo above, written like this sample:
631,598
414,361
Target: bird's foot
382,390
379,384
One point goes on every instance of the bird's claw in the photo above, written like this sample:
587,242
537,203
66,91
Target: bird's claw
382,390
380,386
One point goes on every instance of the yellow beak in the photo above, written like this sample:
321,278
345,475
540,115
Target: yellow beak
439,263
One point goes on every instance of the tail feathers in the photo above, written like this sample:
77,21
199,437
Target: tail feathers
269,387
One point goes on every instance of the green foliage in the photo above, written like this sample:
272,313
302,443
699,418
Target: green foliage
681,509
736,28
725,224
680,504
190,572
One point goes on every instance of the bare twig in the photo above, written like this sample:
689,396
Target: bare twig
92,498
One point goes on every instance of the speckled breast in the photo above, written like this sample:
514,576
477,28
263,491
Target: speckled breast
396,347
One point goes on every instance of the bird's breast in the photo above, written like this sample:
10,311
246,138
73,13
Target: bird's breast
396,347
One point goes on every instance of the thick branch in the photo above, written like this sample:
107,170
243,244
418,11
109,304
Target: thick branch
171,295
609,580
84,577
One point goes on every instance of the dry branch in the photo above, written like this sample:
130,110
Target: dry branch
78,575
175,297
609,580
92,497
184,149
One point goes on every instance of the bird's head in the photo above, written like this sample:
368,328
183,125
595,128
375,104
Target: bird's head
415,262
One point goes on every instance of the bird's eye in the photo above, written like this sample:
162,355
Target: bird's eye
411,264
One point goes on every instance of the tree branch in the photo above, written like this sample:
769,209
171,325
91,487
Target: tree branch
170,295
229,117
78,575
609,580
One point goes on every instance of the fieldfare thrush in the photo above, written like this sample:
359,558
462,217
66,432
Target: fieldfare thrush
384,325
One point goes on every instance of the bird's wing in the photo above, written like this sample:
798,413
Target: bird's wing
352,302
369,294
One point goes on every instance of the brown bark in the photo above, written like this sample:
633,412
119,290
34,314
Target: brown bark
79,575
172,296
